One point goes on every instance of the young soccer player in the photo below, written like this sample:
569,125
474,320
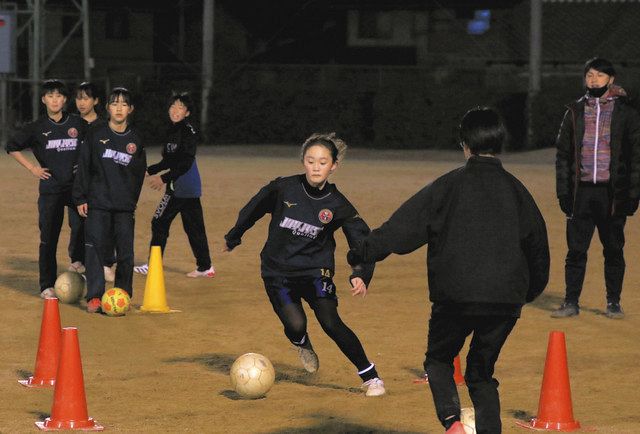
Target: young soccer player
87,103
55,141
181,181
298,257
106,190
488,255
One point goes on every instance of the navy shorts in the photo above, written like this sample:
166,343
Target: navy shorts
287,290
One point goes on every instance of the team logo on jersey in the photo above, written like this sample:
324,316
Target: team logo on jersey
325,216
46,134
300,228
72,132
289,204
62,145
104,141
117,157
132,148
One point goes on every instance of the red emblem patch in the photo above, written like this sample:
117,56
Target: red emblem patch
132,148
325,216
72,132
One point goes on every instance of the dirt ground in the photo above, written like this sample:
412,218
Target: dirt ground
169,373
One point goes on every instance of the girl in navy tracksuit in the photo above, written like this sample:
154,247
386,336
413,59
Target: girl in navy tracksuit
298,257
87,101
55,141
181,180
106,190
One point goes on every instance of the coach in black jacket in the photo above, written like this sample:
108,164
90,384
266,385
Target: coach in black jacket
488,255
597,181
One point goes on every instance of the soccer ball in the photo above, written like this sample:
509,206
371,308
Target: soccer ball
69,287
115,302
252,375
468,419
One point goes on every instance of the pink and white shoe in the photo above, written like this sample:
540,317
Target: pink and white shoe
211,272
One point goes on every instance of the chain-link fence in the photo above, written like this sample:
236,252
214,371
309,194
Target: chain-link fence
463,57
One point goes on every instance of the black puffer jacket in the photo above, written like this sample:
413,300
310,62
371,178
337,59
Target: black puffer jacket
487,239
625,156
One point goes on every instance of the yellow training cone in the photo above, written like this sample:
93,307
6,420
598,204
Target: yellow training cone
155,295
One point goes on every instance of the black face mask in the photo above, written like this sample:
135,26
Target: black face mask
597,92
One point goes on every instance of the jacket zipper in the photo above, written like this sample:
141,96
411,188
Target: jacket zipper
595,150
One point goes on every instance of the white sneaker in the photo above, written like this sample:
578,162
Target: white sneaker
141,269
309,359
48,293
77,266
211,272
374,387
109,274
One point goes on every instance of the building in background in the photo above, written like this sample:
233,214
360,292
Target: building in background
384,73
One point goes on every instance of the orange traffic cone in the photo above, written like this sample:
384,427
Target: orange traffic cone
555,411
69,409
457,374
48,347
457,371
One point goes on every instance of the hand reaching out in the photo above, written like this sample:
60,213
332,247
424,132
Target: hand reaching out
156,182
358,287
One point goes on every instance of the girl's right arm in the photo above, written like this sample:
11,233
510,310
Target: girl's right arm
35,169
22,140
262,203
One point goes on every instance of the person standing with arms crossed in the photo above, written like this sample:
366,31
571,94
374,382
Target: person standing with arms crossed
597,181
55,140
106,190
487,256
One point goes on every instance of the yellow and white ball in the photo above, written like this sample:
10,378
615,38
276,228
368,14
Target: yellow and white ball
252,375
115,302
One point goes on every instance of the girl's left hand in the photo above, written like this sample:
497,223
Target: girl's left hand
156,182
358,287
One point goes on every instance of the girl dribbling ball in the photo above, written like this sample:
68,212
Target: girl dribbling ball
298,256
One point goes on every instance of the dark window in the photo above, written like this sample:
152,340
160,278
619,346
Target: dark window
375,25
117,24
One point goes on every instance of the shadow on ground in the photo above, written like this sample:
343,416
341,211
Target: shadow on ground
330,424
550,303
285,373
521,415
21,275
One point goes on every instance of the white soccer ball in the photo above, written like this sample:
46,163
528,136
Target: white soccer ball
69,287
468,419
252,375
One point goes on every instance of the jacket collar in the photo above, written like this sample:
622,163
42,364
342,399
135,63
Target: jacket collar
477,160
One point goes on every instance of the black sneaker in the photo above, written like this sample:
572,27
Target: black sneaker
614,311
566,310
